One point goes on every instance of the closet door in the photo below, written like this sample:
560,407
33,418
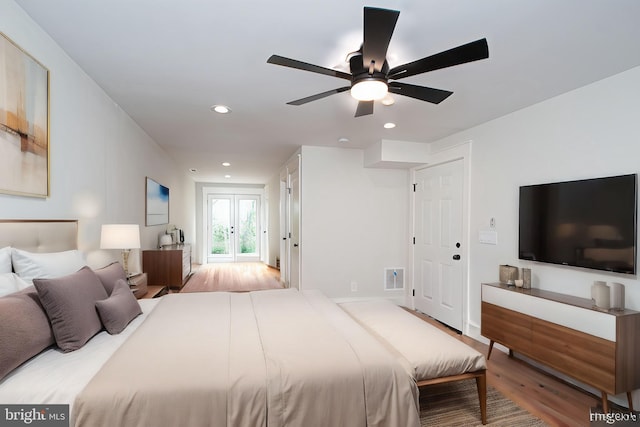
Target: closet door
437,260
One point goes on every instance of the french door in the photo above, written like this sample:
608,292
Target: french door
233,222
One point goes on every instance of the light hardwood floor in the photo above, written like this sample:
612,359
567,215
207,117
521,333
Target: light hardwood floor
548,398
235,277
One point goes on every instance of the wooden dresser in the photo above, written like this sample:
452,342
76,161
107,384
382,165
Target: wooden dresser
598,348
170,266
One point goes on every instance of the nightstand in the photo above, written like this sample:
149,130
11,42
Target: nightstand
138,284
154,291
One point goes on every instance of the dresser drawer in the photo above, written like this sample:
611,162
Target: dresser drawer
170,266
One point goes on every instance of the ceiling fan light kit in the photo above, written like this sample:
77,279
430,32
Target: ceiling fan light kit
370,89
370,73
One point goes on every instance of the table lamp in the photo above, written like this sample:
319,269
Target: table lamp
121,236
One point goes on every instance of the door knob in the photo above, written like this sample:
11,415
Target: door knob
295,245
456,257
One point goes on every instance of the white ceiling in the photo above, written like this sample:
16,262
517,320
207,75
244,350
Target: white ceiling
166,62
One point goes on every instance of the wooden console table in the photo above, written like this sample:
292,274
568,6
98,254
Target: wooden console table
598,348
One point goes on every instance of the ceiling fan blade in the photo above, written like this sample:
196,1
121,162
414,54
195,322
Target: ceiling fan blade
434,96
469,52
364,108
293,63
318,96
378,29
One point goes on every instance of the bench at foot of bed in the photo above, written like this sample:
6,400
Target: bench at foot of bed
481,384
432,356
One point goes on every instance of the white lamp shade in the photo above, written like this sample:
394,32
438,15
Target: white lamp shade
120,236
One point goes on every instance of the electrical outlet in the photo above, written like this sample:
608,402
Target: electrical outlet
354,286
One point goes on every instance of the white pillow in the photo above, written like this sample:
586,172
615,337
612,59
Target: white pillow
5,260
31,265
10,283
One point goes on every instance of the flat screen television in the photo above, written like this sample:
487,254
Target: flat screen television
589,223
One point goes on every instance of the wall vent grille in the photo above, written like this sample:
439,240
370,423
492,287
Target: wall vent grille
393,279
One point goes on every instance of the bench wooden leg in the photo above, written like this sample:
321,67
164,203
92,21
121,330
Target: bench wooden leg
630,400
481,383
605,403
490,349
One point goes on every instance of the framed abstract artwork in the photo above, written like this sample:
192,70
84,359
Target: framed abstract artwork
157,203
24,122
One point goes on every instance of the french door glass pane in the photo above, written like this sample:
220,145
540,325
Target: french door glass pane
220,227
247,226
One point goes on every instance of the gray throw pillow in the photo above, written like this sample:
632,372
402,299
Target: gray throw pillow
110,274
24,329
117,311
70,304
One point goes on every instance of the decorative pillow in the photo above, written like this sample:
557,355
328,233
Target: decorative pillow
10,283
5,260
30,265
24,329
110,274
117,311
70,304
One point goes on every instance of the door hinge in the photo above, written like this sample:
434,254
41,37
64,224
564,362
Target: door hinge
289,190
414,292
414,187
289,234
414,240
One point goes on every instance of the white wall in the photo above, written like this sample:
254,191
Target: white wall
591,132
99,156
355,223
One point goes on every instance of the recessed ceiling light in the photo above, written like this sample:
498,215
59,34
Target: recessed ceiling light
343,140
388,100
222,109
227,176
389,125
226,164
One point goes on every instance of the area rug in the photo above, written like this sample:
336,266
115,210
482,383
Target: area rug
456,404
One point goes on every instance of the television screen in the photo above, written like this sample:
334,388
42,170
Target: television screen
588,223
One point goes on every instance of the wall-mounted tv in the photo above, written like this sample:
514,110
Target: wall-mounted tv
589,223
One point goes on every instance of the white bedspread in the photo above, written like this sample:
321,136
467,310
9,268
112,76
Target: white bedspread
54,377
276,358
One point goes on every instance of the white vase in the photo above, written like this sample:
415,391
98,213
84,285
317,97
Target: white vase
601,295
165,240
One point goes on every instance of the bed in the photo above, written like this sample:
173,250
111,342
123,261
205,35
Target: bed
276,358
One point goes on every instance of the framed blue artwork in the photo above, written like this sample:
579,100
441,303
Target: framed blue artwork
157,203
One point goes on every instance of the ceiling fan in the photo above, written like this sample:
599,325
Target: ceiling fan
370,74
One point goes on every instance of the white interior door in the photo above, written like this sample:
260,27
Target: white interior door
233,227
294,224
438,277
284,232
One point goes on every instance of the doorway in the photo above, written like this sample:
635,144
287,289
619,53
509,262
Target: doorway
437,260
290,218
233,228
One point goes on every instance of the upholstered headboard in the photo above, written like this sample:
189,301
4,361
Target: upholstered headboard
39,235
